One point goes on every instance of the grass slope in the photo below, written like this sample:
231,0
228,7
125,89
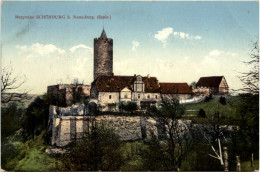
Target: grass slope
212,107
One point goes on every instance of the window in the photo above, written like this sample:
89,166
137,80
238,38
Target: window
148,96
125,96
110,96
138,96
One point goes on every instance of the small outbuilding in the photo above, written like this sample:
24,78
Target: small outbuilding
212,85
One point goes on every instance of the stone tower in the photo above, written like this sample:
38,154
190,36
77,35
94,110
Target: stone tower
103,55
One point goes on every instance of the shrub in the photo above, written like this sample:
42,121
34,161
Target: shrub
208,98
202,113
222,100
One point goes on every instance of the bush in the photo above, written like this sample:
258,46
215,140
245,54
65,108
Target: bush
10,119
208,98
98,150
222,100
128,107
202,113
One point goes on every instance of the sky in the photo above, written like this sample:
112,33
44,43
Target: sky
173,41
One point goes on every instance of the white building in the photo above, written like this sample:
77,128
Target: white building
145,91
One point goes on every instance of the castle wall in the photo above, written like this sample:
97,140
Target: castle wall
129,128
103,56
178,96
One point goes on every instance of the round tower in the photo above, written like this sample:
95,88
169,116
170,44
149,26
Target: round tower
103,55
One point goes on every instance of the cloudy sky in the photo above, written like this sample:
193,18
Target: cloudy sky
174,41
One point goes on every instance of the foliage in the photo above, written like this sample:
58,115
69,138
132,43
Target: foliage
247,110
202,113
193,84
208,98
222,100
173,149
10,119
100,149
35,119
246,166
111,106
56,99
26,156
128,107
228,110
250,79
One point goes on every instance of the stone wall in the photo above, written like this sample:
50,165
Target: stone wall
129,128
103,56
63,93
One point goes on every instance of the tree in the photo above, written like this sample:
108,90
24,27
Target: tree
36,116
250,79
100,149
131,107
248,104
10,119
178,141
128,106
9,86
193,84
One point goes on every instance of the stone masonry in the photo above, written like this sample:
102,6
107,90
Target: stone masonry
103,55
67,127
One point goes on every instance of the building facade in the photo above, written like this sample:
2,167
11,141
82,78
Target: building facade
216,85
181,91
108,89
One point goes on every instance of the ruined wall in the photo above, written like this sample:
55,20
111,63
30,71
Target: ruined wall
63,93
67,128
103,56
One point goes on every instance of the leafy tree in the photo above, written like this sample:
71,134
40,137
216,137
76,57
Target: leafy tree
131,107
100,149
35,119
10,119
193,84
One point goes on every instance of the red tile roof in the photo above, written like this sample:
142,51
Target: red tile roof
175,88
109,83
210,81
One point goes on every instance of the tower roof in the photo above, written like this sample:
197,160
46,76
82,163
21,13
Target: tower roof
103,34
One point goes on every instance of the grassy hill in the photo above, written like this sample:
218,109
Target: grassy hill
213,106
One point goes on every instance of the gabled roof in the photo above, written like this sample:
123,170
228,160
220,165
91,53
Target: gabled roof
210,81
175,88
110,83
103,34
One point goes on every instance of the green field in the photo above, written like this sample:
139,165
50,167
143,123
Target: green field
212,106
